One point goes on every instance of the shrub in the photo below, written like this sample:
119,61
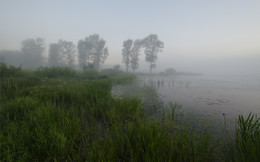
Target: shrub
10,71
54,72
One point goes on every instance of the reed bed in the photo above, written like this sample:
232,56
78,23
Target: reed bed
49,117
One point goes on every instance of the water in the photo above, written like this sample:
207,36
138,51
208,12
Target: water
204,98
209,95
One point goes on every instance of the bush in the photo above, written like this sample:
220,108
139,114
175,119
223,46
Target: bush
54,72
10,71
112,71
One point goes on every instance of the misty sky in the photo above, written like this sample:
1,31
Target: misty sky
198,35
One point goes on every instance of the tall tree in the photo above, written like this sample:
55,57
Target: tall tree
62,53
99,51
11,58
32,52
126,52
82,54
67,52
92,50
152,46
53,54
134,57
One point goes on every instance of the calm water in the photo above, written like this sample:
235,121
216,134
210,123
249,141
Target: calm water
209,95
203,98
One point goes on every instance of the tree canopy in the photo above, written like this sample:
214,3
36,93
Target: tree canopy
62,54
32,52
152,46
92,50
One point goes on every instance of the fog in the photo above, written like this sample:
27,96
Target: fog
130,80
205,37
213,38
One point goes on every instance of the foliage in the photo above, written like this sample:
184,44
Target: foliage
62,54
152,47
92,50
170,71
53,72
135,54
11,58
10,71
113,71
32,53
246,145
126,52
130,52
64,118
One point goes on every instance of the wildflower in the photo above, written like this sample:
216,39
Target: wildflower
223,114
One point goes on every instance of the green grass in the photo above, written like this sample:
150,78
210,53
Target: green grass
45,116
245,146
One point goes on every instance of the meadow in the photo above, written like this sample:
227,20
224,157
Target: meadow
60,114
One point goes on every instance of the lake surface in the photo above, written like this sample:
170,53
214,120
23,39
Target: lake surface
209,95
204,98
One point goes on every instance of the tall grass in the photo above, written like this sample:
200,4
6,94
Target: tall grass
66,119
245,146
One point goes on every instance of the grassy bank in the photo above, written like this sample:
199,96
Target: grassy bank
59,114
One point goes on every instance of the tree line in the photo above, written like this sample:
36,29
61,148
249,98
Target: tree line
90,52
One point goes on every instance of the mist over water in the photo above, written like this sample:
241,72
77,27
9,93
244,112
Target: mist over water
210,95
219,40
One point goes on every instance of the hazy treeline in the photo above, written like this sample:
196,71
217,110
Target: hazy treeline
31,54
131,51
90,52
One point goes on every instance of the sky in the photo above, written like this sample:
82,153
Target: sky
198,35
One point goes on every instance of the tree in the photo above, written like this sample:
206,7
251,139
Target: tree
82,53
135,54
53,54
126,52
11,58
100,52
116,67
32,52
67,52
92,50
62,54
170,71
152,47
131,52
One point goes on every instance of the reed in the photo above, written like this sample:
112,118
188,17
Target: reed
71,119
